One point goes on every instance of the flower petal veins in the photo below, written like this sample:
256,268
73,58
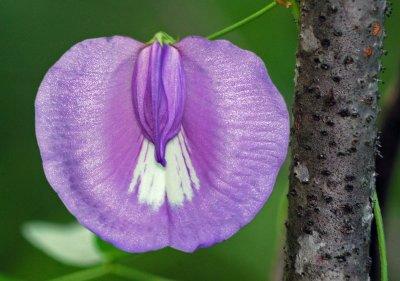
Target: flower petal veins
161,145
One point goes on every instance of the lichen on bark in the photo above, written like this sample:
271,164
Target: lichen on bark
334,140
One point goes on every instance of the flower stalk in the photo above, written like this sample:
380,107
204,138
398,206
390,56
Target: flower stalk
242,22
381,237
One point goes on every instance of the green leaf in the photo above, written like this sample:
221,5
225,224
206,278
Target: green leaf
6,278
71,244
109,252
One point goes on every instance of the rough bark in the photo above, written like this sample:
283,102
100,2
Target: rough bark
334,140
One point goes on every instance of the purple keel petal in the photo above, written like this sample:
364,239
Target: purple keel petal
158,95
237,128
89,140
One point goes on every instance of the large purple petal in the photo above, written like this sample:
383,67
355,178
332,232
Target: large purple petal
237,129
89,142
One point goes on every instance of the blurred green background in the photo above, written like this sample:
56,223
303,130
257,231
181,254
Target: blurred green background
34,34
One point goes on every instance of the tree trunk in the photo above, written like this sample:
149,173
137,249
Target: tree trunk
334,140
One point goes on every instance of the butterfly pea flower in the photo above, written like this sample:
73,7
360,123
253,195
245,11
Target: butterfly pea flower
161,144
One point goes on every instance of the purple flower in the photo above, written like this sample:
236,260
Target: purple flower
161,144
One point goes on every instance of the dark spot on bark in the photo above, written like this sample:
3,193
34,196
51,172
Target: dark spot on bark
348,209
369,119
293,192
344,112
307,230
326,173
322,18
311,197
325,43
349,187
349,178
352,149
331,183
336,79
330,99
332,144
348,60
326,256
337,33
310,89
340,258
316,60
343,257
341,154
328,199
300,211
323,133
361,82
330,123
333,9
310,223
316,117
325,66
355,114
347,228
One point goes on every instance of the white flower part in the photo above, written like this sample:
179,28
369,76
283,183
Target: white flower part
71,244
174,182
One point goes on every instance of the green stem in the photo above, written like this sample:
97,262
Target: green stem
86,274
381,237
242,22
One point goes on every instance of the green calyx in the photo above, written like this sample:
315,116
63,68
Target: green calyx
162,38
